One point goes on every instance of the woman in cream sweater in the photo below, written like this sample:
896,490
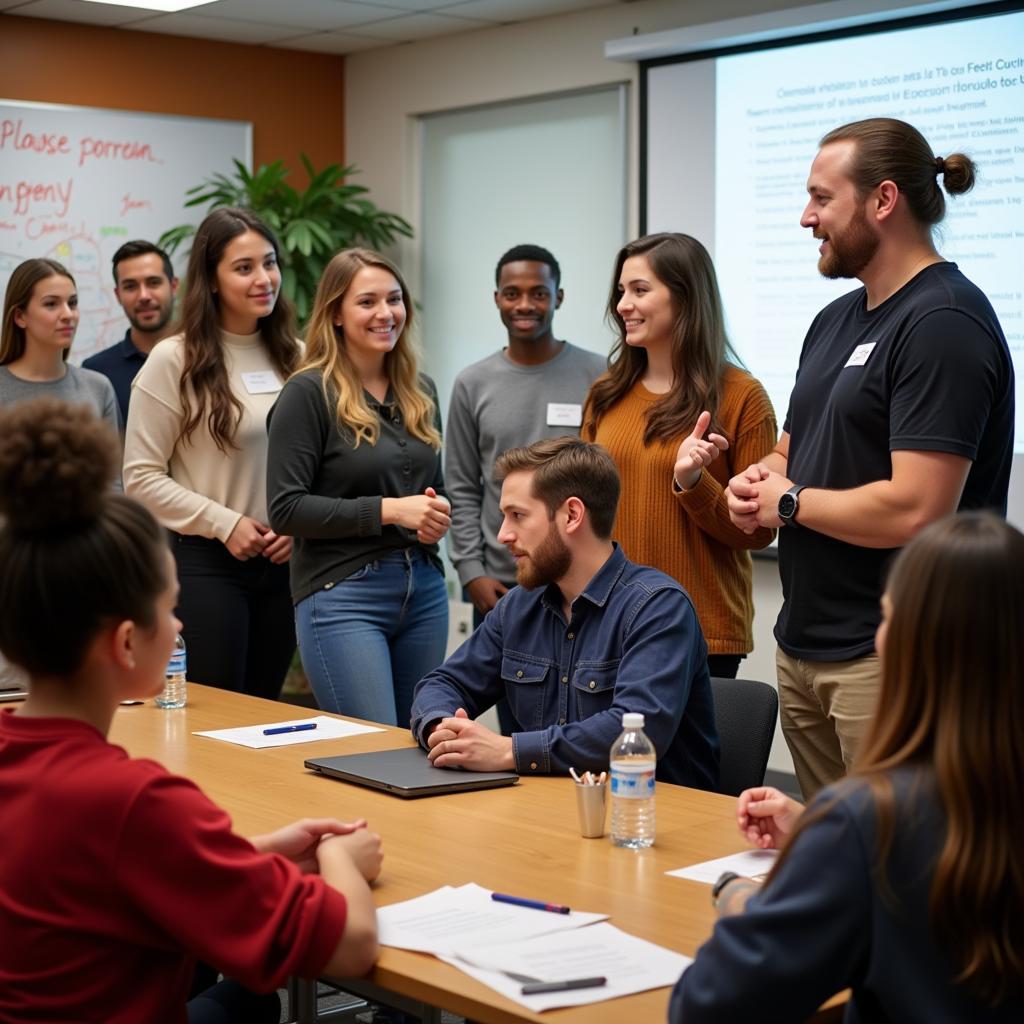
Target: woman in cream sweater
196,454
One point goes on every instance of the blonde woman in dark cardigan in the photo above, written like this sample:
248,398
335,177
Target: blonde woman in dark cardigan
354,475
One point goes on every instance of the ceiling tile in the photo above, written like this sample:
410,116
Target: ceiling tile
407,5
85,14
323,15
334,42
517,10
224,29
419,26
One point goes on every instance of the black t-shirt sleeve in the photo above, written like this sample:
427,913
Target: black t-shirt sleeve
811,331
945,381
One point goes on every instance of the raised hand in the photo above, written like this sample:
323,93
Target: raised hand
695,452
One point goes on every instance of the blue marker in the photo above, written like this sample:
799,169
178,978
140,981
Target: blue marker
279,729
518,901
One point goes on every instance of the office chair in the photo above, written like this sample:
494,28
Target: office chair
745,713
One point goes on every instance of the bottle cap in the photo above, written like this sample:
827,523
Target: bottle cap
632,720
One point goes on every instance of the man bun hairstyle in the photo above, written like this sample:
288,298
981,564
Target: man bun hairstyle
532,253
568,467
75,554
891,150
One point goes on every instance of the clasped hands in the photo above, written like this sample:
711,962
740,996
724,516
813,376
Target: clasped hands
250,538
429,514
753,497
461,742
302,842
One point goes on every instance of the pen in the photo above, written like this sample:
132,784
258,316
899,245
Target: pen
279,729
518,901
536,987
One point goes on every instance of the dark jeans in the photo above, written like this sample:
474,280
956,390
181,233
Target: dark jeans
227,1002
724,666
237,618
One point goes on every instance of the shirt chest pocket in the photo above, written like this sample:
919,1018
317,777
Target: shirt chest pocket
525,684
593,687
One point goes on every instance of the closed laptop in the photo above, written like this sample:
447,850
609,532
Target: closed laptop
406,772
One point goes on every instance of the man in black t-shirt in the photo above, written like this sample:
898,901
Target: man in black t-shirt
902,412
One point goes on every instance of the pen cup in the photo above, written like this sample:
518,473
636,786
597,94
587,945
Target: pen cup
590,802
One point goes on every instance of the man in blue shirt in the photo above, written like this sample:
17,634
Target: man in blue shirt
144,284
586,636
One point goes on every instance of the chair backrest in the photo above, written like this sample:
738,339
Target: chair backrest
745,713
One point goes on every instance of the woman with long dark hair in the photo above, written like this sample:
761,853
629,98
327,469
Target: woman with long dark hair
355,476
196,453
671,379
904,882
115,874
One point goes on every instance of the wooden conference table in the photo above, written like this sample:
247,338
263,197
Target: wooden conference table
523,839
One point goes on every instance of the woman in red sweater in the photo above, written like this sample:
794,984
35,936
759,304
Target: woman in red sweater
117,875
671,379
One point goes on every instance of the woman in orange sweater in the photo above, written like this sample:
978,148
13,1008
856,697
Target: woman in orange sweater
670,380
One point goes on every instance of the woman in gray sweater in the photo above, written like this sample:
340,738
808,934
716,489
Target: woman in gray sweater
40,320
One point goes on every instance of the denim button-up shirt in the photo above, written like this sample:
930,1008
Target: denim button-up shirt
633,643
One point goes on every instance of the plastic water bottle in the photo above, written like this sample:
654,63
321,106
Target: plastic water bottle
633,760
173,695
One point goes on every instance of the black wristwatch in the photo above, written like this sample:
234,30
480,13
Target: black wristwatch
723,880
788,505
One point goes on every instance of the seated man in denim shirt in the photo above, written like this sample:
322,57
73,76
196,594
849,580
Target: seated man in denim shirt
586,636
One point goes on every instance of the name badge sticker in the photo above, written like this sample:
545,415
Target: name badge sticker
564,414
860,354
261,382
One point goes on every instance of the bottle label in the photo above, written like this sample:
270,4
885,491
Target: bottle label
634,782
176,666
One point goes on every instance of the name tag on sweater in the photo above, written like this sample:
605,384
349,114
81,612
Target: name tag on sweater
261,382
564,414
860,355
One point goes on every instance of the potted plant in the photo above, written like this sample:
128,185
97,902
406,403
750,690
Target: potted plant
313,224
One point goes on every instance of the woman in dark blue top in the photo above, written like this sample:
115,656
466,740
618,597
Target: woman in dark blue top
904,882
354,475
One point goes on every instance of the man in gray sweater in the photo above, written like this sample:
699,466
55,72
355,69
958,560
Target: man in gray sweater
532,389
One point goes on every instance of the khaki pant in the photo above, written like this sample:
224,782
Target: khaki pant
825,708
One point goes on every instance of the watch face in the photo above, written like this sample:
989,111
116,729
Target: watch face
787,506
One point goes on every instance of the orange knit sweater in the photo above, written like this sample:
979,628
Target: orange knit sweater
689,535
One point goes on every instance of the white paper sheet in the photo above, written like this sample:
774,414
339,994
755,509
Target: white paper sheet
465,916
630,965
749,863
326,729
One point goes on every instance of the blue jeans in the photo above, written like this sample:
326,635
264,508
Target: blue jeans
369,639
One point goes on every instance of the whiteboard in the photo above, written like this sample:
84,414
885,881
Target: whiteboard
78,182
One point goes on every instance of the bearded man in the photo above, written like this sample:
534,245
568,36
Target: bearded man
902,413
585,636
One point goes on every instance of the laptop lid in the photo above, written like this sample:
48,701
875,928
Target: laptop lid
406,772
